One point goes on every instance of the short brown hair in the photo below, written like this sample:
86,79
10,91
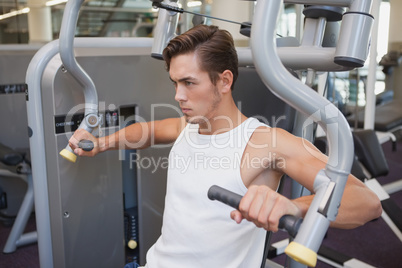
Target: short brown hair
215,48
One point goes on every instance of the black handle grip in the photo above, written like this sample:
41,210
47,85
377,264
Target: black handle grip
291,224
86,145
287,222
225,196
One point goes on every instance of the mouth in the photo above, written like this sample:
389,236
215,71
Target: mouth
185,110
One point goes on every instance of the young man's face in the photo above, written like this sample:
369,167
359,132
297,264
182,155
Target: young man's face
197,96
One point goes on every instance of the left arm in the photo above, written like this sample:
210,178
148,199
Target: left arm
302,161
358,204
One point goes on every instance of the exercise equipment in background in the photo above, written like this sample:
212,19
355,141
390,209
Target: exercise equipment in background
15,166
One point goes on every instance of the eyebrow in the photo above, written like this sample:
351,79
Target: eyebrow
183,79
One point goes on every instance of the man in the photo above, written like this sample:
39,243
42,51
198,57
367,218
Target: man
224,147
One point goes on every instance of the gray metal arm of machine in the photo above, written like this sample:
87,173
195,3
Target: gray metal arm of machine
66,44
165,29
356,27
329,183
36,127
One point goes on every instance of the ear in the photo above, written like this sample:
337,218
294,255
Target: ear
226,81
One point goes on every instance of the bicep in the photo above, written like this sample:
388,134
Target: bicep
301,159
166,131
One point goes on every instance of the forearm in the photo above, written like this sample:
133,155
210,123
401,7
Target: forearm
135,136
358,205
143,135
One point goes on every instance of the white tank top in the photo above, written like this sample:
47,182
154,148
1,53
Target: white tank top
196,231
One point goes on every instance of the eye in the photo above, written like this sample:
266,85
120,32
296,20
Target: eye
188,83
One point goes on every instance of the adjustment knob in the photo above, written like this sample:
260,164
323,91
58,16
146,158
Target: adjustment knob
132,244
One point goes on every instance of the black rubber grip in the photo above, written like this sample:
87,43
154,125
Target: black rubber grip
86,145
225,196
291,224
287,222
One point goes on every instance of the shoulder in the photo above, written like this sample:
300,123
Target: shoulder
176,124
275,142
266,141
279,143
270,136
168,130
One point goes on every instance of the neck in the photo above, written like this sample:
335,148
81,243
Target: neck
225,119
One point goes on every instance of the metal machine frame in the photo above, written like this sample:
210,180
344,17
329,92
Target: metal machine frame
350,52
42,138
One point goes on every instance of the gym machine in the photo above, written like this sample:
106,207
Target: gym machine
350,52
80,207
13,165
61,187
16,199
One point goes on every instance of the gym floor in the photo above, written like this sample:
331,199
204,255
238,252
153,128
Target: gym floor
374,243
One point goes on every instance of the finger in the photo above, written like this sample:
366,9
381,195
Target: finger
256,206
73,141
246,201
273,217
280,208
78,151
236,216
79,135
291,208
266,210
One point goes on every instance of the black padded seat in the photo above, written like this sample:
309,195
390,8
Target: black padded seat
388,116
322,144
9,157
369,152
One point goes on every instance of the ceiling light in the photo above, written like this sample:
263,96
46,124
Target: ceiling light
55,2
194,4
14,13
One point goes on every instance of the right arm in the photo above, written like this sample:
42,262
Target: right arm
136,136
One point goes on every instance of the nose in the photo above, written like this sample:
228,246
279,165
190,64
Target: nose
180,94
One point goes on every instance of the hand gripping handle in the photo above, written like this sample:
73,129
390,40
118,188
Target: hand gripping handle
287,222
68,153
86,145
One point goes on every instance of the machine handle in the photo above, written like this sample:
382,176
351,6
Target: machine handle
68,154
66,49
86,145
225,196
287,222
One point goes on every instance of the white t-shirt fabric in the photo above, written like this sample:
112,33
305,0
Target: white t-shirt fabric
196,231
